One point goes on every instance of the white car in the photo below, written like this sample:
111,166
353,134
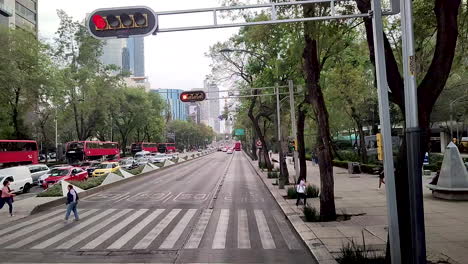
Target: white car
160,158
224,149
230,151
142,161
38,170
20,176
126,163
142,154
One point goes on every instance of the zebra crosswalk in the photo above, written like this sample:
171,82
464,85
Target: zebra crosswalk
159,229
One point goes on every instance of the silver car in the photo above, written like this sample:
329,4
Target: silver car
38,170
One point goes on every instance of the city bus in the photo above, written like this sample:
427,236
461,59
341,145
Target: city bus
78,151
143,146
166,147
18,152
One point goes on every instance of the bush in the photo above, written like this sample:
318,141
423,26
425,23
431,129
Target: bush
310,214
90,183
136,171
432,167
54,191
308,156
357,254
292,194
349,155
370,168
312,191
340,163
273,175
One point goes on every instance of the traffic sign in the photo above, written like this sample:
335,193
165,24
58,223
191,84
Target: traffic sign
239,132
122,22
259,143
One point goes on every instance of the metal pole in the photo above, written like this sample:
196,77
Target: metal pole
413,139
451,120
56,134
382,87
292,108
280,149
112,127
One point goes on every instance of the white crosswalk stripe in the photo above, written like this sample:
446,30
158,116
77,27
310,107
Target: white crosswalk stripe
73,229
219,241
197,234
29,222
80,237
44,232
264,230
135,230
178,230
151,236
114,230
243,239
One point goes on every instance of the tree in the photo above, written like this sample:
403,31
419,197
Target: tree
443,22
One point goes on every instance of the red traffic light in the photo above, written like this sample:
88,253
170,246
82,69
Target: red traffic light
192,96
99,22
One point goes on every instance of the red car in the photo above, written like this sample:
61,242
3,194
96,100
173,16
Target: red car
68,173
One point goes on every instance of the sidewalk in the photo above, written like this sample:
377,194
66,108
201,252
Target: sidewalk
23,208
358,195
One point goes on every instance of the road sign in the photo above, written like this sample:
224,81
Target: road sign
122,22
259,143
426,159
239,132
192,96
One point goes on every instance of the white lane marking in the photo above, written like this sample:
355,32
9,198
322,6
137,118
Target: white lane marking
199,230
103,237
219,241
178,230
73,229
264,231
286,232
153,234
135,230
29,223
81,236
243,239
46,231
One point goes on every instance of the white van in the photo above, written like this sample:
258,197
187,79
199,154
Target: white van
22,180
37,170
142,154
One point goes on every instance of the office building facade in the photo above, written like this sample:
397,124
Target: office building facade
210,109
177,108
127,54
19,14
136,48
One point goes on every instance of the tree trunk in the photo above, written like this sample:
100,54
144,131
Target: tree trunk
258,131
254,147
312,70
362,141
301,142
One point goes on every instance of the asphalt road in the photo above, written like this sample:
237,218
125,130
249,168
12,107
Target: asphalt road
213,209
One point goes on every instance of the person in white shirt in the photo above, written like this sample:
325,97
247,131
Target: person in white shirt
301,191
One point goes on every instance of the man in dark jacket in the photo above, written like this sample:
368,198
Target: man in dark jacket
72,202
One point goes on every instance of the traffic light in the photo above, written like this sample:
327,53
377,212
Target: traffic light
379,146
122,22
192,96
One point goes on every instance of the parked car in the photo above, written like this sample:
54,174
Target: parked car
142,161
89,166
68,173
20,178
105,168
230,151
128,163
160,158
224,149
142,154
37,170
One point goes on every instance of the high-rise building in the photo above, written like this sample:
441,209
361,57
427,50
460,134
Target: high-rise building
210,108
136,47
112,52
127,54
178,109
19,14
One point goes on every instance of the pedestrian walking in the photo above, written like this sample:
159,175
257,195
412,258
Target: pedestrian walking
7,197
72,202
301,191
381,178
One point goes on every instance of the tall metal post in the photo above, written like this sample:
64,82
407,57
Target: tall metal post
451,120
382,87
292,108
280,148
413,139
56,135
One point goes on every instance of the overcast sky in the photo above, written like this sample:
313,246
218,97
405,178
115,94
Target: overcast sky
172,60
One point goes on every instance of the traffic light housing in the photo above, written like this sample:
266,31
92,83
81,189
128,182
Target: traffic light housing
192,96
379,146
122,22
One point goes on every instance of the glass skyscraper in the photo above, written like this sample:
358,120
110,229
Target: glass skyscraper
171,97
136,48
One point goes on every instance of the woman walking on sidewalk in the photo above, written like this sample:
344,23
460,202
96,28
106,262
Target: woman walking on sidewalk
301,191
7,197
72,202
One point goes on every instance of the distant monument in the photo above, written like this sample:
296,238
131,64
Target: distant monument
452,182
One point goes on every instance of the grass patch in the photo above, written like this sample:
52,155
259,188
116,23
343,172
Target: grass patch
312,191
54,191
90,183
136,170
311,214
353,253
291,193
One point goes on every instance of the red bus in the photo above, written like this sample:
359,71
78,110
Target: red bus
237,146
18,152
92,150
166,147
144,146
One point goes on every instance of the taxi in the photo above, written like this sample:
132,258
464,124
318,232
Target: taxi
105,168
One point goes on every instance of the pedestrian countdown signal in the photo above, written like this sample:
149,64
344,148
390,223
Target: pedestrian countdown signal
192,96
122,22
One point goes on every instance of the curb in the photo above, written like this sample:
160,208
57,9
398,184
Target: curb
315,246
60,201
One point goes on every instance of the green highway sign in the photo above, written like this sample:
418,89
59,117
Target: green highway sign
239,132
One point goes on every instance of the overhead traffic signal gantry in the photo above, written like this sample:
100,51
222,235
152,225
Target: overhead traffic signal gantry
122,22
192,96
